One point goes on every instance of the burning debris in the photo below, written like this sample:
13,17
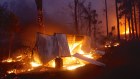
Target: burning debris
35,64
112,44
55,51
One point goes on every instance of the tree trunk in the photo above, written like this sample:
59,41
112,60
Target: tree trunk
40,15
11,43
135,20
95,35
118,26
125,28
106,17
129,28
75,14
139,22
89,25
132,21
89,20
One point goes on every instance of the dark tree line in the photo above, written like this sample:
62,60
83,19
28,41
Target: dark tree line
86,19
130,10
9,25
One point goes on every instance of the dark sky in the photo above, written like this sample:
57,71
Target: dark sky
56,9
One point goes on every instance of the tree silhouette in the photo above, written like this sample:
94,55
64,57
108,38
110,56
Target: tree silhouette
117,15
8,24
127,9
137,3
106,16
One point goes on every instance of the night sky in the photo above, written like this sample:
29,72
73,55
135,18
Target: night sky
56,9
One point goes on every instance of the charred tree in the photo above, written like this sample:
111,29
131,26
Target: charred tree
106,10
10,24
76,15
135,20
132,20
117,15
129,28
139,22
125,28
40,15
89,18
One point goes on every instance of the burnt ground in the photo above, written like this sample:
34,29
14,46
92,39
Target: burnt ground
122,62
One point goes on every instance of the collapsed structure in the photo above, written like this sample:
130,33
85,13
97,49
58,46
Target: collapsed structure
57,46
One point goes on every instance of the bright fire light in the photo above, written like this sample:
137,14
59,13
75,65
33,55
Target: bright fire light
9,60
72,63
35,64
127,32
69,63
11,71
20,56
75,66
116,44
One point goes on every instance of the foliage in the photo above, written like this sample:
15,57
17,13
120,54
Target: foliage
8,21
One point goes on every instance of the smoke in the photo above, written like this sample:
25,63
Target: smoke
25,10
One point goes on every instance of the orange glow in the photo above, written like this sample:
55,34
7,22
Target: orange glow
122,27
75,66
116,44
71,63
35,64
20,56
11,71
127,32
9,60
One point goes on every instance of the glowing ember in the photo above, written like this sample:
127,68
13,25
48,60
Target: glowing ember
116,44
111,44
35,64
19,56
74,66
107,45
11,71
89,56
9,60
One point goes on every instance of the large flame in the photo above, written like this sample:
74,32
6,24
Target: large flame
127,32
35,64
9,60
71,63
122,27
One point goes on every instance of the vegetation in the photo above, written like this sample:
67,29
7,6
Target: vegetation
9,25
128,9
